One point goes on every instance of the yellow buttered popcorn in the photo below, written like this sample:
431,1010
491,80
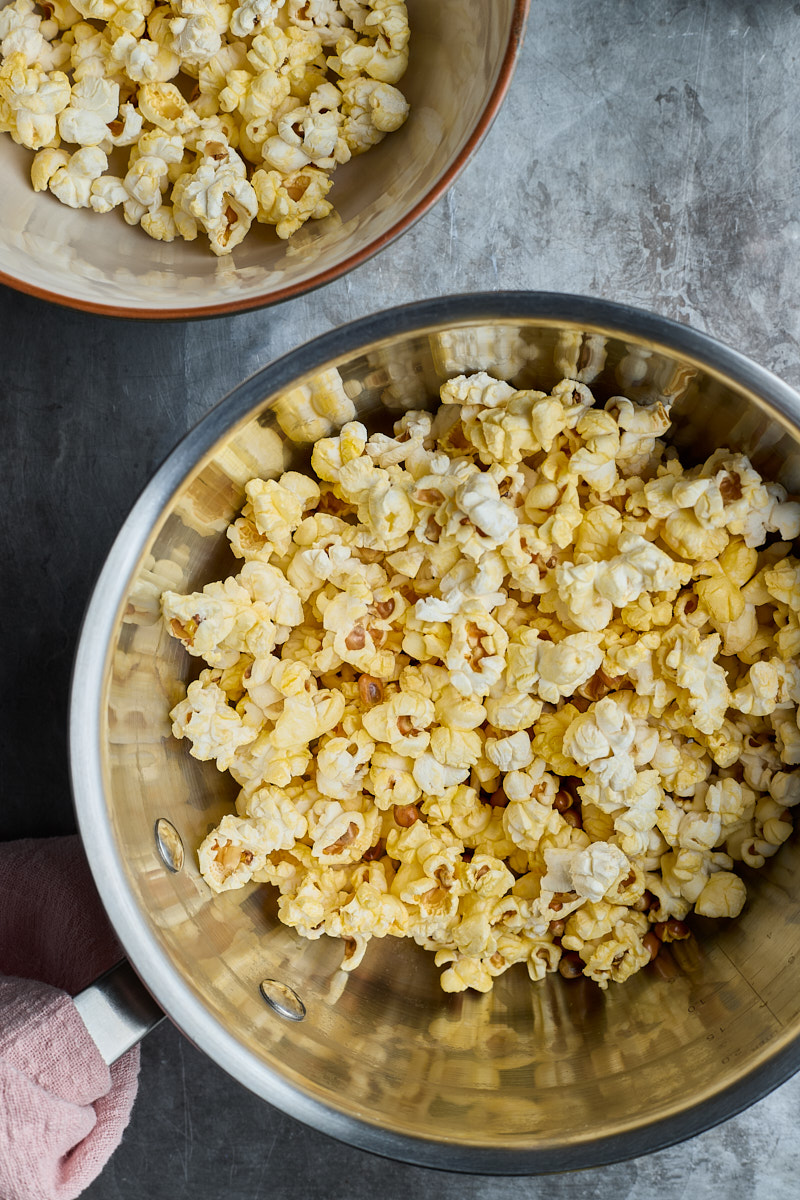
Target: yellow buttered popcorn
513,682
266,98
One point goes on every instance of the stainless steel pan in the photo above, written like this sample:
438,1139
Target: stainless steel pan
528,1078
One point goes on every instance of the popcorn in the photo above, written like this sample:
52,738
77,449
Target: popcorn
590,873
261,761
73,183
146,181
196,38
768,686
733,802
93,104
324,17
476,652
620,954
232,854
278,509
370,109
33,99
214,728
45,164
478,498
510,682
217,196
280,821
296,112
220,623
527,822
462,809
773,822
639,427
310,133
89,52
601,741
20,32
785,788
592,589
252,13
723,896
378,59
690,662
143,60
699,831
434,778
160,224
391,780
385,18
402,722
341,835
512,753
552,669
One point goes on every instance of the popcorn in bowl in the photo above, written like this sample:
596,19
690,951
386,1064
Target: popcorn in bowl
512,682
200,117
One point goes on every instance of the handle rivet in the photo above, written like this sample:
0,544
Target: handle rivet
169,844
283,999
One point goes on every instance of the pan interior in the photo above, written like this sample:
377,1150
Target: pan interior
551,1066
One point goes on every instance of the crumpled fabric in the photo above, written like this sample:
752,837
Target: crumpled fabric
62,1109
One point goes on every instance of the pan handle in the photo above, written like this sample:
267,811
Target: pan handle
118,1010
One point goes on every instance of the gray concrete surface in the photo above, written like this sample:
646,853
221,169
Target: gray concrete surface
647,153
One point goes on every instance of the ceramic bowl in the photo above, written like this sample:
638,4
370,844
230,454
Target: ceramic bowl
462,57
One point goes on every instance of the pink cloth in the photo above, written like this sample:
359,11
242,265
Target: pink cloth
62,1110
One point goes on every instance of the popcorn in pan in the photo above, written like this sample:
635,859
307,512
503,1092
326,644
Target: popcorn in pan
511,682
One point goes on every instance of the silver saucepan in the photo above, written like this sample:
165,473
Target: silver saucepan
526,1079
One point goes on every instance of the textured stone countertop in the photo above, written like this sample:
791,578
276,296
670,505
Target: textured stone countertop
647,153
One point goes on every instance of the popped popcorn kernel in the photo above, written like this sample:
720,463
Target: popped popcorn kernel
510,681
